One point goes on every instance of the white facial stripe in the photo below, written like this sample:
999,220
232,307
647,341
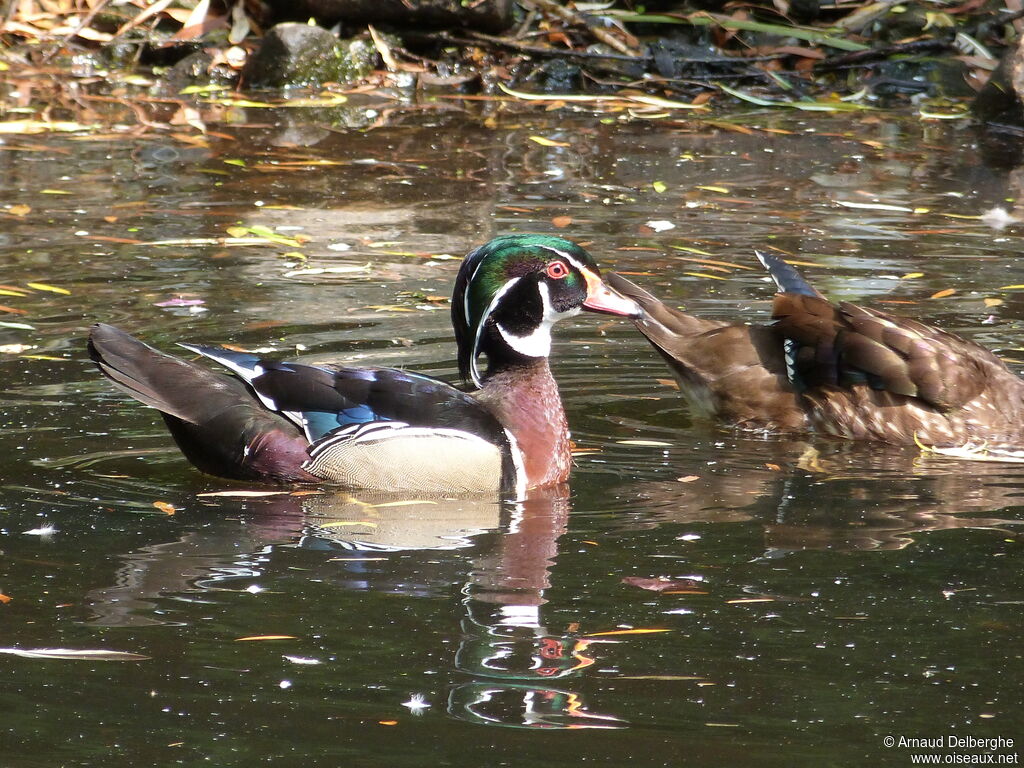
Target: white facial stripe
565,255
474,372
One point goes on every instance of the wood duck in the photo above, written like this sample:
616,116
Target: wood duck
841,370
385,429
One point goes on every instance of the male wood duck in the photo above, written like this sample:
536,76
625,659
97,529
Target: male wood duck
385,429
846,371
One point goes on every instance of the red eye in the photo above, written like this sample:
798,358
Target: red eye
557,270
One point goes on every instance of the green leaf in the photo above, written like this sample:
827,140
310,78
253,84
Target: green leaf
709,19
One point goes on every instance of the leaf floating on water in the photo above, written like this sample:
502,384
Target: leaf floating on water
43,126
943,293
659,187
993,302
687,478
912,275
50,288
875,206
20,326
663,583
627,632
660,225
73,654
549,142
19,210
242,494
249,638
163,506
648,443
561,222
5,598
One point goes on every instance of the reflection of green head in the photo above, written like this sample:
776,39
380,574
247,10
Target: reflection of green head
511,268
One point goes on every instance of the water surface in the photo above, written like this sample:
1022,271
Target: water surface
821,596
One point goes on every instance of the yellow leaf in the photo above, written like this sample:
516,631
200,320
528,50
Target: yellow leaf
243,494
722,190
549,142
744,600
19,210
912,275
627,632
1010,287
993,302
54,192
238,231
943,293
6,292
48,287
163,506
704,274
265,637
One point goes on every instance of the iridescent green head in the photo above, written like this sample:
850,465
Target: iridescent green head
510,292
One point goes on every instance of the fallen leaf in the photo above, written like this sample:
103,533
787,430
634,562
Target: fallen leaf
242,494
163,506
48,287
5,598
561,221
687,478
661,583
549,142
943,293
19,210
73,654
265,637
627,632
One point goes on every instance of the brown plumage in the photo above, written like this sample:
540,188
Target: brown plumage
840,370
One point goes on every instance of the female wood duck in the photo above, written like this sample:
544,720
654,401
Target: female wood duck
844,370
381,428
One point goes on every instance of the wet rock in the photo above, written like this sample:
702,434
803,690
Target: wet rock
195,69
931,75
1001,100
303,55
485,15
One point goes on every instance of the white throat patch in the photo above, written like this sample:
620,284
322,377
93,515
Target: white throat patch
538,343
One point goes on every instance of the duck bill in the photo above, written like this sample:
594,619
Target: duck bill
601,298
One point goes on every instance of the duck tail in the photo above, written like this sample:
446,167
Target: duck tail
216,420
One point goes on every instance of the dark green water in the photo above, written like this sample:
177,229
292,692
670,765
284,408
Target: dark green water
821,603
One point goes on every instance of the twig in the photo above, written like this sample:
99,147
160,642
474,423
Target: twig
553,8
885,52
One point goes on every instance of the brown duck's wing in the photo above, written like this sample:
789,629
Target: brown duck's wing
846,345
733,372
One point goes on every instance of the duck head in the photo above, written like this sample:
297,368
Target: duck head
510,291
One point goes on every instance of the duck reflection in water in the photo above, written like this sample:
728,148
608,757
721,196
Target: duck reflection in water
505,555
